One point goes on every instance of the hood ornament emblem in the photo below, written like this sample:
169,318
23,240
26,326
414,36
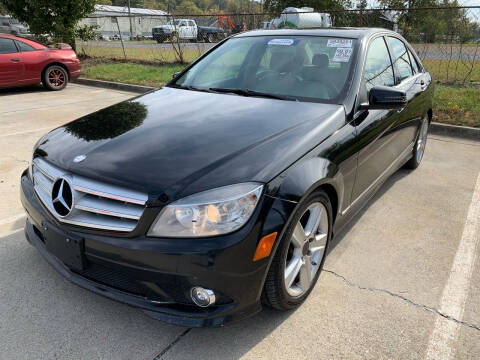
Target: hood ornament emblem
79,158
62,197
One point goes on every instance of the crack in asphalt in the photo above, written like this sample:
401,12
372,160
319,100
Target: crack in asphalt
172,344
424,307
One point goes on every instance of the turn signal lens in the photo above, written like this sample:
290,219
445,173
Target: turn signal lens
265,246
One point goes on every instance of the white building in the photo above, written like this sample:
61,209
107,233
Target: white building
143,20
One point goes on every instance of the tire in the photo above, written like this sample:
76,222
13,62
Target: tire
420,144
279,294
55,78
210,38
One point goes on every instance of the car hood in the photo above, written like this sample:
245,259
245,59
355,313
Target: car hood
178,142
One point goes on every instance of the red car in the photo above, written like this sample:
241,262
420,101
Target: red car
26,62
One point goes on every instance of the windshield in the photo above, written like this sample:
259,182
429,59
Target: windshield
173,22
304,68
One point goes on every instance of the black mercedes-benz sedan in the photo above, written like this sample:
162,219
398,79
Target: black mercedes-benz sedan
218,194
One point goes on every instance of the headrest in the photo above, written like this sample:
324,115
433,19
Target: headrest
320,60
280,62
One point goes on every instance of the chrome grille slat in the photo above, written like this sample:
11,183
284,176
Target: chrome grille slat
42,181
109,207
97,205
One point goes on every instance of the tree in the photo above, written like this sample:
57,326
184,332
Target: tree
188,7
133,3
56,18
103,2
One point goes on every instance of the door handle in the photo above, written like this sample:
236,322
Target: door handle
423,86
15,59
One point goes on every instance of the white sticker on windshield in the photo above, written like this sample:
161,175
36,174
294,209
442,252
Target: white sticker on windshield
342,55
283,42
341,43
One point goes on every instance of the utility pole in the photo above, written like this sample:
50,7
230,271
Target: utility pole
130,19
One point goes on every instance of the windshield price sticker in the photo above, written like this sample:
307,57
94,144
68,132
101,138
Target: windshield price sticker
342,55
283,42
340,43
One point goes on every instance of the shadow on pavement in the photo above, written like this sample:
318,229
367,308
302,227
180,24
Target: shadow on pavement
46,314
23,90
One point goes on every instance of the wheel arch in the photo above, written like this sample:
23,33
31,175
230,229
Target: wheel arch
430,115
308,176
57,64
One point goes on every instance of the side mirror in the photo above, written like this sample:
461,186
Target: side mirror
385,98
176,74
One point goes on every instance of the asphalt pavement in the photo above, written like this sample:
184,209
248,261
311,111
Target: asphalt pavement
401,282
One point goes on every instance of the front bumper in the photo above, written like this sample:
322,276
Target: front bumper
74,70
157,274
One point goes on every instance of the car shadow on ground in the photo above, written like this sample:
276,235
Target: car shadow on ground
31,89
38,293
398,175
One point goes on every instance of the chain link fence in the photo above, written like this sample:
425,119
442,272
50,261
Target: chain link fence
446,39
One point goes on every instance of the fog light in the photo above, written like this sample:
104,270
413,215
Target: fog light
202,297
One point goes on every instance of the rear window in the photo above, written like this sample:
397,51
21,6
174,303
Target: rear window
24,47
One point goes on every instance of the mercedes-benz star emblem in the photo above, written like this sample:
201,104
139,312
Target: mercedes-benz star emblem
79,158
62,197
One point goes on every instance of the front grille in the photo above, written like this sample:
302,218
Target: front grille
94,205
166,286
115,279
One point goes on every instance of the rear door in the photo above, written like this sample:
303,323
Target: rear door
11,67
183,31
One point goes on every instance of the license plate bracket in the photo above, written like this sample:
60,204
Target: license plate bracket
68,249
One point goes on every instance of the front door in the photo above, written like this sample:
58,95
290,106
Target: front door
375,128
408,79
11,68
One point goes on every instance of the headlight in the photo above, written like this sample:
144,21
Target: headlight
212,212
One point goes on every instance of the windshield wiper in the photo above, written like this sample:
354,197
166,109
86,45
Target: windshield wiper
190,87
248,92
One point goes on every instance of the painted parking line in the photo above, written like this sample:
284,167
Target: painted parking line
441,344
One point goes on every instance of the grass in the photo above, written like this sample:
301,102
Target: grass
452,104
132,73
151,54
457,105
444,71
461,72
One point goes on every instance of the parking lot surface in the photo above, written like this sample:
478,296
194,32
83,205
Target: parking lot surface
402,282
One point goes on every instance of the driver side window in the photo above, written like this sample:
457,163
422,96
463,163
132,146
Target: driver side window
378,67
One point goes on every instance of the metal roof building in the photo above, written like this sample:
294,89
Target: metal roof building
108,10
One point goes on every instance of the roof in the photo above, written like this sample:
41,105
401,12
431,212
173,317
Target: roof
356,33
123,10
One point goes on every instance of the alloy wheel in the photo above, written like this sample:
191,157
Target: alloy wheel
306,249
56,78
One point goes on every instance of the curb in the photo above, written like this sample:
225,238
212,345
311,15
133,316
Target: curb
140,89
465,132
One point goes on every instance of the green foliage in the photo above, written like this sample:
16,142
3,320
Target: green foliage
188,7
55,18
433,26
